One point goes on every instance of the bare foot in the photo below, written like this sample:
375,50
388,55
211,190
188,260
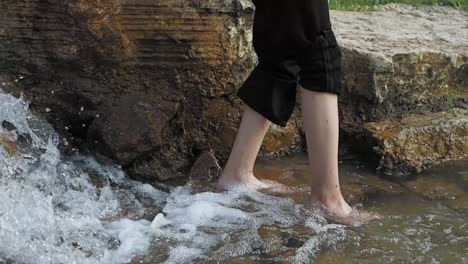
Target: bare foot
344,214
336,210
332,201
227,182
355,218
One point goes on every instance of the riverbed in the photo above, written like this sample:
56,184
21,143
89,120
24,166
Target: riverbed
424,220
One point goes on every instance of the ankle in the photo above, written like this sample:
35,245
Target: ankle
236,174
330,199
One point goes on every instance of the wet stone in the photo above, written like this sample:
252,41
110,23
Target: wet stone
294,242
413,143
8,142
271,235
441,189
8,126
205,168
157,256
411,61
330,257
353,193
109,57
97,179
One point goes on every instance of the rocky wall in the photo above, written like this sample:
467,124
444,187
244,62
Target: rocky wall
151,84
146,84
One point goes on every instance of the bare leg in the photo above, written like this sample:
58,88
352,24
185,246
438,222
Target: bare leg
320,116
239,167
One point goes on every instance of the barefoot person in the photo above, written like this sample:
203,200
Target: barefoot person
295,45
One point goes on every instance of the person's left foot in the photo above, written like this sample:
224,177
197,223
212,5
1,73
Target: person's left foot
347,216
355,218
332,201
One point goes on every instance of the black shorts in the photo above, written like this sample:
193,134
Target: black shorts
294,43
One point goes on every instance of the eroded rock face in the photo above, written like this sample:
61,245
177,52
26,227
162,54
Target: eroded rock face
206,167
147,84
416,142
133,126
448,190
405,59
405,62
151,84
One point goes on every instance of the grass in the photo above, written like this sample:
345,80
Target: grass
365,5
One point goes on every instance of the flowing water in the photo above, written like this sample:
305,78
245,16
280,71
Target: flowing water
72,209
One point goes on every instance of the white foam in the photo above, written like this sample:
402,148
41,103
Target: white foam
222,225
51,212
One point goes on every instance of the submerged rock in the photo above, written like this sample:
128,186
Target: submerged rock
442,190
416,142
8,142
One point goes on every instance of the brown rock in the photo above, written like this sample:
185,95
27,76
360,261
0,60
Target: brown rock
440,189
154,82
223,117
160,166
132,127
8,142
419,69
129,79
281,139
416,142
361,187
205,168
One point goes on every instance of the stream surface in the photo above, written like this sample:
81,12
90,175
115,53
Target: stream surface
58,208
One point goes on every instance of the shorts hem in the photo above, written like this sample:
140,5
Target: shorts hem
259,110
311,86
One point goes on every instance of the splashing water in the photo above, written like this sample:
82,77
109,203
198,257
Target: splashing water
72,209
52,211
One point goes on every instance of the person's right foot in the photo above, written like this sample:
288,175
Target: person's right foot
355,218
249,181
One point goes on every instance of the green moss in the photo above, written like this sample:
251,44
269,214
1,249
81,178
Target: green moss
368,5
